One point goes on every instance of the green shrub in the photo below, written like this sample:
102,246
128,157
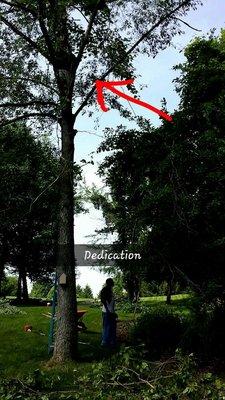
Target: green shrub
205,332
126,306
160,330
7,309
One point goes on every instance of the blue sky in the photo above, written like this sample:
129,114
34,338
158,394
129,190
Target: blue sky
158,75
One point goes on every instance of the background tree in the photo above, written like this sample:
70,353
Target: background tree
28,167
9,286
41,289
51,54
79,291
167,183
87,292
119,286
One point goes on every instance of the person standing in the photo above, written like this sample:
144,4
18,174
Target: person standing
108,314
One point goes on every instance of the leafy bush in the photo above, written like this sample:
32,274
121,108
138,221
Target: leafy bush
159,329
126,306
206,331
7,309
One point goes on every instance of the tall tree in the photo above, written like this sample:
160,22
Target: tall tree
51,54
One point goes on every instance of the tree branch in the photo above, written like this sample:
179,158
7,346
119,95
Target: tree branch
27,116
35,82
44,29
86,36
29,103
20,7
82,14
196,287
22,35
132,48
45,190
189,26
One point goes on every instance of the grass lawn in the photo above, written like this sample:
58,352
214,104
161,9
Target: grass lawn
180,302
24,361
22,352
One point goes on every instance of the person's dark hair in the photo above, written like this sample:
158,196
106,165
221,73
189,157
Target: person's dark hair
109,282
106,292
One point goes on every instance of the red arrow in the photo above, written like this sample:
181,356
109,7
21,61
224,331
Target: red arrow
100,85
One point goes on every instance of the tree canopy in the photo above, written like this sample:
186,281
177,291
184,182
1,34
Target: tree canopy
167,183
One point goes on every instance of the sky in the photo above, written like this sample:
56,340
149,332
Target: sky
158,75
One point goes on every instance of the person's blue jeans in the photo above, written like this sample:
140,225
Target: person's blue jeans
109,329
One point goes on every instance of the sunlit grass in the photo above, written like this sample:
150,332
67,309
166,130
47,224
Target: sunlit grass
22,352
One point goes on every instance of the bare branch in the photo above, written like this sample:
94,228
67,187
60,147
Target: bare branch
27,116
90,133
189,26
86,36
138,375
82,14
45,190
132,48
196,287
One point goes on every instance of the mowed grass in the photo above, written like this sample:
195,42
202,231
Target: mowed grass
181,303
23,352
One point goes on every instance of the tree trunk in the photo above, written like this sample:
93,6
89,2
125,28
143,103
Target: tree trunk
169,292
65,347
24,285
19,288
3,259
130,286
1,276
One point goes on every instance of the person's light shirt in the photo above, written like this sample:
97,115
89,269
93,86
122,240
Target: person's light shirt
110,305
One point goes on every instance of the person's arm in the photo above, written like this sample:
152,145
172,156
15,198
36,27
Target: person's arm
104,301
106,306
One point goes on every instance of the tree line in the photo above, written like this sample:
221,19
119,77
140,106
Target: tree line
167,184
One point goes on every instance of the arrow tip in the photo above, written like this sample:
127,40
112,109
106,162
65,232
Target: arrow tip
100,97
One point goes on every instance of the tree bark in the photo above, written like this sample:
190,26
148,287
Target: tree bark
1,276
64,65
3,259
19,288
169,292
65,347
25,296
